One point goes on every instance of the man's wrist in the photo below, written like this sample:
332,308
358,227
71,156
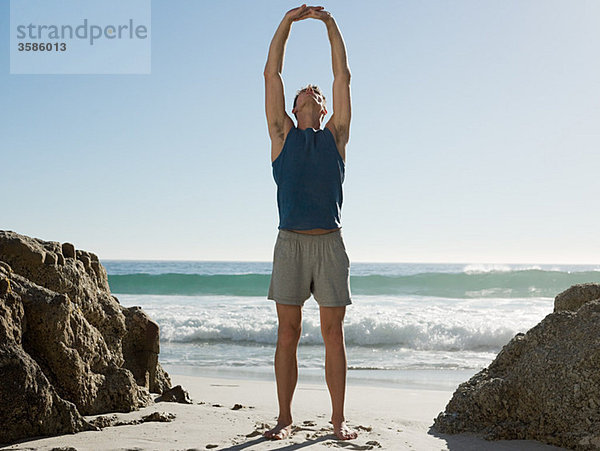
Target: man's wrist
329,20
287,21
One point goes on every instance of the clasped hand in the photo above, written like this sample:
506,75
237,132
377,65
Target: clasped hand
305,12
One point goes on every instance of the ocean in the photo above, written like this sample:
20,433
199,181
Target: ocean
411,324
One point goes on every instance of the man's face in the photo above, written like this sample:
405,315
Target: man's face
311,97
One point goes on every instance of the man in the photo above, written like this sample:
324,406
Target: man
309,255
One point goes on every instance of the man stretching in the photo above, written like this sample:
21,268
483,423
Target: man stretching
309,256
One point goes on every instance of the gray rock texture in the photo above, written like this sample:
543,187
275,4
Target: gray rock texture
543,385
573,298
67,347
175,394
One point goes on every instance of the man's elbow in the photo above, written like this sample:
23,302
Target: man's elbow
271,73
343,75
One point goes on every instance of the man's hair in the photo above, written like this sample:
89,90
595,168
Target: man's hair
314,88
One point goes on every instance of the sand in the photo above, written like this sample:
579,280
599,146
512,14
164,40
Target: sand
386,418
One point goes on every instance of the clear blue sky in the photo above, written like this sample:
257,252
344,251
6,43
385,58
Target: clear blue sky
475,134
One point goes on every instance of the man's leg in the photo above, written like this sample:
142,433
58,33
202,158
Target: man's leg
286,366
332,329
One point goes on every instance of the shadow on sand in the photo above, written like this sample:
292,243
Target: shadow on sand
474,442
308,442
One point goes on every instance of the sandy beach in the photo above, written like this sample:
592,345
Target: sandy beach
386,418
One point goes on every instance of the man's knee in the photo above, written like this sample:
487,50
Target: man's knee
288,334
333,335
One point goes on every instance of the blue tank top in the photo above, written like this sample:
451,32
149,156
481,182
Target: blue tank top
309,173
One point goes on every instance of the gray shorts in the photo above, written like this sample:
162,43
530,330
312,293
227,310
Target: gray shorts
305,264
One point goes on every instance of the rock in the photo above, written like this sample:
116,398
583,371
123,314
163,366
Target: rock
543,385
50,259
4,286
141,348
175,394
5,268
104,421
68,250
159,416
23,254
29,405
83,257
577,295
67,342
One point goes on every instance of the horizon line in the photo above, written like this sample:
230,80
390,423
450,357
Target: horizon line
356,261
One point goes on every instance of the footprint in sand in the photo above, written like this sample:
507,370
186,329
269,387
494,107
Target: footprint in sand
352,446
259,428
253,434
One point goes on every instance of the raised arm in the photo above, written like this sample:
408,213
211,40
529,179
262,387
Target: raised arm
339,123
278,121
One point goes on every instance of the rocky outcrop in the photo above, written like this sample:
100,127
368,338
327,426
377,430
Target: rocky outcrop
140,350
67,347
573,298
543,385
175,394
104,421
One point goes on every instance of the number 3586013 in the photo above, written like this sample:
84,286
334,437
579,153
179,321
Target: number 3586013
42,47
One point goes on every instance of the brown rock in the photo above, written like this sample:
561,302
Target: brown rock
83,257
104,421
159,416
30,406
23,254
577,295
141,348
5,268
50,259
64,335
4,286
539,387
68,250
175,394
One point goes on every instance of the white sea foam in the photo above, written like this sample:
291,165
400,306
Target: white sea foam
405,318
481,268
383,332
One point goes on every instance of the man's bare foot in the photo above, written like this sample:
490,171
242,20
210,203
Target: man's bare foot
343,432
279,432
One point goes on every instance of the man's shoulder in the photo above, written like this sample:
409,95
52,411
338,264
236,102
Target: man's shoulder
278,144
340,137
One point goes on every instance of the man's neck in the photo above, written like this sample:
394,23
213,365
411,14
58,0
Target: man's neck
308,122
